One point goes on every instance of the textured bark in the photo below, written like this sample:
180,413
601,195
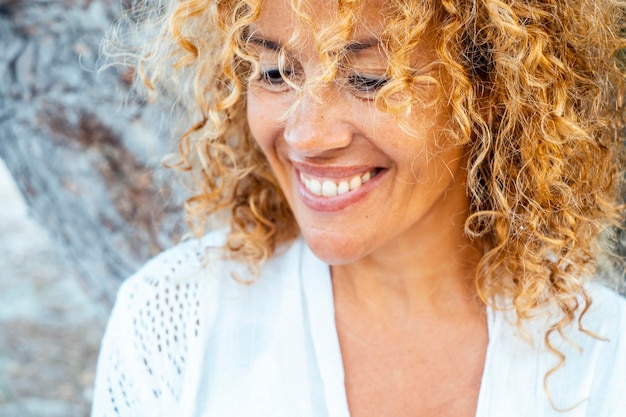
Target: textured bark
87,163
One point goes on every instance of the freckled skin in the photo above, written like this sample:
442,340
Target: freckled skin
423,184
401,265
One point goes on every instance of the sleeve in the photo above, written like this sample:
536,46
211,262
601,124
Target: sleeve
155,337
122,372
616,381
608,397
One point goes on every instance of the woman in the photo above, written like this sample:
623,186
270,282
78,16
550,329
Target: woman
418,193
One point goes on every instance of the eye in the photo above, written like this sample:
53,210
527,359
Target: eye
277,80
366,85
273,77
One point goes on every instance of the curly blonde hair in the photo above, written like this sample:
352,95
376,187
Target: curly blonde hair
536,91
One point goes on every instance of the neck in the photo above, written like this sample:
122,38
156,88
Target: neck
429,269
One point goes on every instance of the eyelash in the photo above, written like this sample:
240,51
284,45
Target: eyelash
365,84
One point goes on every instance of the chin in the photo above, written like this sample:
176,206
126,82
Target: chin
335,250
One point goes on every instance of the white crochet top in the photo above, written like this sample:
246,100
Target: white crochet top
186,340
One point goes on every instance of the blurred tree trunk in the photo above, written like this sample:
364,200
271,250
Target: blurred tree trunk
87,163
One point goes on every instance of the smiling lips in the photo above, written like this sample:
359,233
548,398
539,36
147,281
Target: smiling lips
327,187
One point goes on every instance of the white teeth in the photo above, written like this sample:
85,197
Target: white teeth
355,183
315,187
343,187
329,188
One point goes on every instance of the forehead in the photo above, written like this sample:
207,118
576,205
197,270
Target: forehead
280,19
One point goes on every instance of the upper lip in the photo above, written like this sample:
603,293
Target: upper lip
331,170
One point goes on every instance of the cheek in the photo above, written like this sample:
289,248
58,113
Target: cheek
256,120
264,120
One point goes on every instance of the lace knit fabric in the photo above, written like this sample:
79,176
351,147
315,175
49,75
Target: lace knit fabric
154,327
185,339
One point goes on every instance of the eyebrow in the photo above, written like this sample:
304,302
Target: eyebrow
265,43
358,46
352,46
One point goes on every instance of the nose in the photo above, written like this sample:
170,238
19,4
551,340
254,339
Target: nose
317,125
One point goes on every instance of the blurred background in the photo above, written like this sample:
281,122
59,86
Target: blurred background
84,201
49,328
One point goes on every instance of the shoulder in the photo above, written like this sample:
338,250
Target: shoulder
154,328
606,319
167,312
604,329
176,296
173,285
607,314
167,281
604,366
198,272
583,367
181,262
595,356
178,293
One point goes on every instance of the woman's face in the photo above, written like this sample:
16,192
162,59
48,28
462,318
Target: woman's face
357,183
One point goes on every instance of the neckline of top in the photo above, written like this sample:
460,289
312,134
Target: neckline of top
318,294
